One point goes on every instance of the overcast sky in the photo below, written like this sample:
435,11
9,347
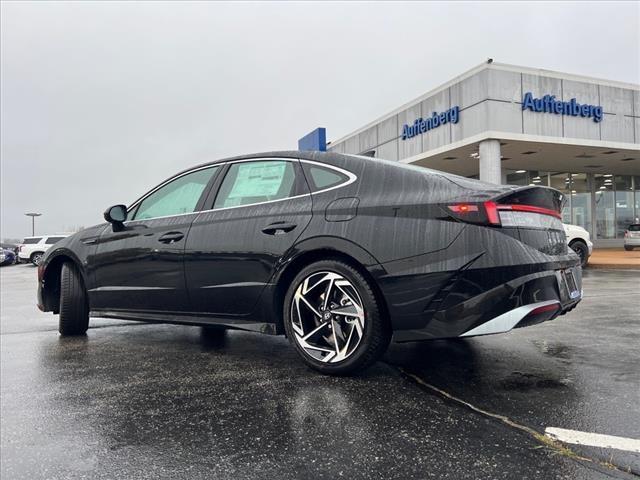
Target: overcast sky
101,101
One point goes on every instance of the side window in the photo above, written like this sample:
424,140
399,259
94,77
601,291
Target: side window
321,177
32,240
52,240
256,182
179,196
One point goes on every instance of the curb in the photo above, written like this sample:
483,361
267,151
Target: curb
612,266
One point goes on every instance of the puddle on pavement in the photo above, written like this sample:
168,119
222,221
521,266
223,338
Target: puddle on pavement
557,350
520,381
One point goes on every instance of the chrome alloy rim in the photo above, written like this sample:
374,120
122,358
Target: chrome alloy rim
579,252
327,317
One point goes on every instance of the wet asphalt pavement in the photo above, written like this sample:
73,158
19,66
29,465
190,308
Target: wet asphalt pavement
132,400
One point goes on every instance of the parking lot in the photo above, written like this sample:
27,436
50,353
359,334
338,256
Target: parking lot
133,400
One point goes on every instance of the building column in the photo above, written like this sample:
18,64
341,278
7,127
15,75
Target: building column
490,168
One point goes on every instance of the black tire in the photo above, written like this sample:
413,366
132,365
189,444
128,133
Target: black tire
376,333
213,336
582,251
628,248
36,257
74,305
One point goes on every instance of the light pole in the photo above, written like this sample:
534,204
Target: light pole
33,221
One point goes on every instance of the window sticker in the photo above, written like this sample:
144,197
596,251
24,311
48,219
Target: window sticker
258,180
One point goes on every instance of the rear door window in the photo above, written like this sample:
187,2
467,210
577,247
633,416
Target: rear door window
248,183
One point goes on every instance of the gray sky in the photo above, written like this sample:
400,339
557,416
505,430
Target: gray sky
101,101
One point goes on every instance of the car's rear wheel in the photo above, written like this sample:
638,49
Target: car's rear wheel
36,257
582,251
628,248
74,304
334,319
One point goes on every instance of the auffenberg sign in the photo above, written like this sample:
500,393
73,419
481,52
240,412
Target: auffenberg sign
549,104
436,119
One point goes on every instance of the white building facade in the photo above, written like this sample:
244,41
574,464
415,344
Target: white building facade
517,125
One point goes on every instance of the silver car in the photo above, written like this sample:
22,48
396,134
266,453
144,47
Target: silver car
632,236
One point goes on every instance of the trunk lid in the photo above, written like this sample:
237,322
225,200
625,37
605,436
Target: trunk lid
531,214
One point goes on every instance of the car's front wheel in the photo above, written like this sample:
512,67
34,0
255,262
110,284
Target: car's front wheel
334,318
74,304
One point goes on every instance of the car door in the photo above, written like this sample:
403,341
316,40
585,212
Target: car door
261,208
140,266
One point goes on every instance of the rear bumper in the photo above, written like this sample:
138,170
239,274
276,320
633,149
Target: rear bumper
537,312
457,311
632,242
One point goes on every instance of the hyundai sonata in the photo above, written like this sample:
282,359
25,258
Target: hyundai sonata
340,253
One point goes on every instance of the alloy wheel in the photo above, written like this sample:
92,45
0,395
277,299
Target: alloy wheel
327,317
36,259
580,252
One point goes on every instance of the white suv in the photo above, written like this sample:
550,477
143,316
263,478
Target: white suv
580,242
32,249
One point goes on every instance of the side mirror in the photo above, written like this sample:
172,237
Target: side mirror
116,215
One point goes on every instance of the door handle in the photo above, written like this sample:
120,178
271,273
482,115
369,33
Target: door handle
171,237
278,228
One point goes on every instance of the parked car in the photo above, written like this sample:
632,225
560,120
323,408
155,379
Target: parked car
632,236
13,248
579,241
7,257
32,248
341,253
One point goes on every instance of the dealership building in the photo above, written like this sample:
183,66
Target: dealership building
524,126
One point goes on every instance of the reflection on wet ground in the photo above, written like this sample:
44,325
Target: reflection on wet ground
155,401
579,371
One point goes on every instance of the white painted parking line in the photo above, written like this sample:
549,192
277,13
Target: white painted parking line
593,439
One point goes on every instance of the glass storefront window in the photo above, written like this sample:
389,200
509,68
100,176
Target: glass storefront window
562,182
636,183
518,178
624,204
605,206
616,199
580,200
527,177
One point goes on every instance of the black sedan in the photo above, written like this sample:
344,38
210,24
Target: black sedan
340,253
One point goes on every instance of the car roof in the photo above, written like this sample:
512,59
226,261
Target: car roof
325,157
49,235
317,156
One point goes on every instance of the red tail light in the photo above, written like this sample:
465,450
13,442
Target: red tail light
463,208
554,307
492,213
513,215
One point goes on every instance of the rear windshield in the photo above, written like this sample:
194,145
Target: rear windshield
27,241
634,228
